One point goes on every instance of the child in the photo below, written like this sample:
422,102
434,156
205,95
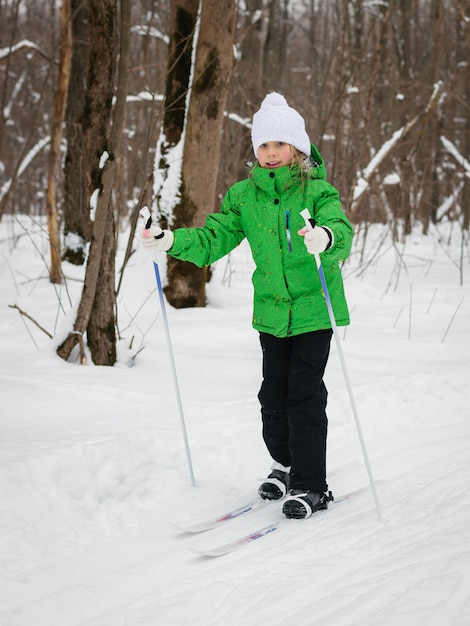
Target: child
290,312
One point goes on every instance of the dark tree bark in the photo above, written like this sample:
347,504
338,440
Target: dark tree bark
102,325
77,226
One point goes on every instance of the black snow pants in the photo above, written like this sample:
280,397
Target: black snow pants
293,400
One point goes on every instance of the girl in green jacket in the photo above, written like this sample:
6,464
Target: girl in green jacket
289,308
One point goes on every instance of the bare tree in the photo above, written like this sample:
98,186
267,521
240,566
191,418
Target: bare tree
95,314
212,71
60,101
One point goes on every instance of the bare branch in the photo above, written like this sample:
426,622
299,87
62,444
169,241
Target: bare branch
17,47
21,312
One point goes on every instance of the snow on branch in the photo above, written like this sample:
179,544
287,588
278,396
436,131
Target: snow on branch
150,32
42,143
145,96
448,203
363,178
243,121
24,43
452,149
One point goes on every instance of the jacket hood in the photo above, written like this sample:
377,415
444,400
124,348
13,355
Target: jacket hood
317,164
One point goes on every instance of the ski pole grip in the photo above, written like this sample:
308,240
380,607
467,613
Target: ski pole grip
145,213
148,222
310,225
309,221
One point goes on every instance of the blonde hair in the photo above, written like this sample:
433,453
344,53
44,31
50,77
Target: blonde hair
300,159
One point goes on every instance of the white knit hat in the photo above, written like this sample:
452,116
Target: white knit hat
277,121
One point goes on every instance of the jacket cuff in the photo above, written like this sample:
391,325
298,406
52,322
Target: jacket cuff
331,237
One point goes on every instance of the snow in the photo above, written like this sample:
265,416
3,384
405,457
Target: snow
392,179
73,241
167,180
93,469
104,157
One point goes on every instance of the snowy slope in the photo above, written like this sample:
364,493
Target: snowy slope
93,468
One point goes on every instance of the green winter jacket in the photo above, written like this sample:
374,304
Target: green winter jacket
265,208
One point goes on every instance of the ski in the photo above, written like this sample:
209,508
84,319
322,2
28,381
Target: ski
235,544
276,525
215,522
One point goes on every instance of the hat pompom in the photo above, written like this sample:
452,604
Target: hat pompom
274,100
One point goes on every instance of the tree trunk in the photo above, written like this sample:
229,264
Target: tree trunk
464,8
430,185
212,73
96,310
77,226
102,326
275,75
55,271
101,329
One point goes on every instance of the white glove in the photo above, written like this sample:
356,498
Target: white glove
156,238
318,239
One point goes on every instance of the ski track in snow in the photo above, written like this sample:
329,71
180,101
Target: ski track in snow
92,467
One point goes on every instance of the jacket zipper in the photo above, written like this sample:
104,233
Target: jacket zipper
289,238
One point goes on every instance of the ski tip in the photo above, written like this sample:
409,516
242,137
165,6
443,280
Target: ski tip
193,530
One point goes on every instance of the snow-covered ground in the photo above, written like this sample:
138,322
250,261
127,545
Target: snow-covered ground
93,468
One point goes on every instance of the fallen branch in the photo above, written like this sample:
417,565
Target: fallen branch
21,312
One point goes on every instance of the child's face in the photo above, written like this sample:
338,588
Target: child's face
274,154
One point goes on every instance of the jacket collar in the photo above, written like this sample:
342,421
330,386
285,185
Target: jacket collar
277,180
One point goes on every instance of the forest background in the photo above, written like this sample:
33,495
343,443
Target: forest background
109,105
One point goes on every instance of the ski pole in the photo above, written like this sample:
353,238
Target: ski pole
310,224
148,222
